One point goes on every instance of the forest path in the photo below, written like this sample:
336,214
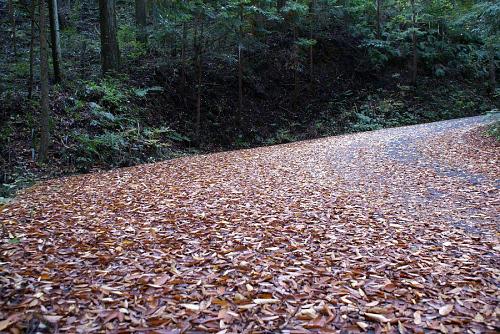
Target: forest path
394,229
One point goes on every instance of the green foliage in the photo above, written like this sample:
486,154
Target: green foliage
21,69
306,43
379,52
241,142
123,148
130,46
20,179
282,136
142,92
107,92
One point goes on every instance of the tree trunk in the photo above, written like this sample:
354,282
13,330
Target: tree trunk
44,83
32,49
55,39
295,62
280,4
414,44
64,7
154,12
183,54
312,12
240,66
199,50
110,52
141,20
379,19
12,16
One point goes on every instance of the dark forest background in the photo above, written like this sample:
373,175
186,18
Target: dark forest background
88,85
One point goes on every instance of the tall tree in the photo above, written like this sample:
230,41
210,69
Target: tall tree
154,12
55,39
312,20
292,13
12,16
44,84
64,9
280,4
32,48
379,19
414,43
110,51
483,20
199,41
240,62
141,20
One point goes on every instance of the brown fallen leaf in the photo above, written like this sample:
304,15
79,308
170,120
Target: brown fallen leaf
192,307
247,306
161,280
377,317
6,323
362,325
52,318
417,318
478,318
346,300
373,303
446,309
261,301
401,328
319,322
307,314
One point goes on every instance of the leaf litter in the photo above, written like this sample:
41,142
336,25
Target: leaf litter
335,235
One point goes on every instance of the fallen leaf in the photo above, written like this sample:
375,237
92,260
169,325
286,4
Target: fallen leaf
52,318
5,323
417,317
266,301
362,325
192,307
446,309
377,317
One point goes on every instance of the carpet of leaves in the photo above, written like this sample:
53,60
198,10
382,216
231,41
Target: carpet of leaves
388,231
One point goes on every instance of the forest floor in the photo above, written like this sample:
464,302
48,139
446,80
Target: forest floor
384,231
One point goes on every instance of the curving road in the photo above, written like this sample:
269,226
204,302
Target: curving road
384,231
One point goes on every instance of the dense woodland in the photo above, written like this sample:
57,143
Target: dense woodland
98,84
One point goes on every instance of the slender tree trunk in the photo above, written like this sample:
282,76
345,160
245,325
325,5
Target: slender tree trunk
12,16
240,66
295,62
55,39
64,7
32,49
414,68
199,51
183,54
141,20
492,69
110,52
280,4
44,84
154,12
379,19
258,18
312,11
